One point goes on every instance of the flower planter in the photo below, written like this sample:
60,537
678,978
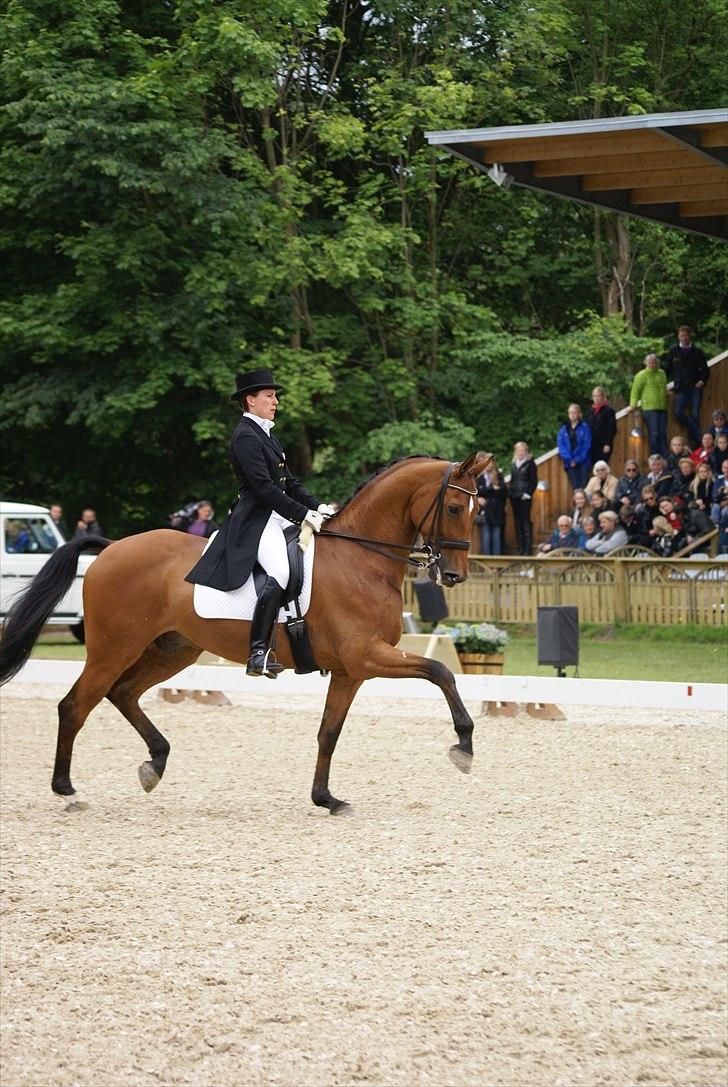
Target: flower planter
490,664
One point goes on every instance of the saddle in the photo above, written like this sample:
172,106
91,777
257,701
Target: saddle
295,624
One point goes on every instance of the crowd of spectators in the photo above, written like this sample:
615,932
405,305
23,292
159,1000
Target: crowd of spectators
679,495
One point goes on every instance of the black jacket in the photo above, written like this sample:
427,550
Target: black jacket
523,480
266,484
629,487
603,426
686,369
494,513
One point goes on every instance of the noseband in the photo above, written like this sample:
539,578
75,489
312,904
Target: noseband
429,556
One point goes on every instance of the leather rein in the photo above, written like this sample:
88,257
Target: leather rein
430,554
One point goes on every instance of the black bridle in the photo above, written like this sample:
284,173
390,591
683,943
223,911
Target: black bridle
429,556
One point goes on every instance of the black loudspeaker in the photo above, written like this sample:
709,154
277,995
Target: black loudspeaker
431,600
557,630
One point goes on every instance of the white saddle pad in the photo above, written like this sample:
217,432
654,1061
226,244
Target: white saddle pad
240,603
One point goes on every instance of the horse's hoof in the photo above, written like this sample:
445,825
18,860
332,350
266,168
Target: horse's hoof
341,807
462,759
148,777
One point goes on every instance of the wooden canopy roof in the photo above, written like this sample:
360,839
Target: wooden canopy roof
668,167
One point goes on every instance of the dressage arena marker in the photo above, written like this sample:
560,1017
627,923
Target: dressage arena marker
642,694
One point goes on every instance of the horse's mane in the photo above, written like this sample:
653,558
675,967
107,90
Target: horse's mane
378,472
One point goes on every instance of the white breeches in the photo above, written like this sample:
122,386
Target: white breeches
272,554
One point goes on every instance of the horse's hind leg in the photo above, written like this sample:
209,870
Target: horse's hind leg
340,697
159,661
73,709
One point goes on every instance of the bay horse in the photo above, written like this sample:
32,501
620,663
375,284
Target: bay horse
141,626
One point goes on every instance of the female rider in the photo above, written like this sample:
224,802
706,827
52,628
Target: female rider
270,500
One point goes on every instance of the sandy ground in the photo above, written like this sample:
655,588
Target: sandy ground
557,917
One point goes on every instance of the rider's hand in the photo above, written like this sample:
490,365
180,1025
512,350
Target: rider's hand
314,519
326,510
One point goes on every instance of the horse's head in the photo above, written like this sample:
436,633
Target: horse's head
445,523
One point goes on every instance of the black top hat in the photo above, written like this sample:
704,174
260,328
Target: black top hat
253,382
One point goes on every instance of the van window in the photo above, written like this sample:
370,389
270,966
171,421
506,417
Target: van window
28,536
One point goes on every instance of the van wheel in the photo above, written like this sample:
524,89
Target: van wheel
78,631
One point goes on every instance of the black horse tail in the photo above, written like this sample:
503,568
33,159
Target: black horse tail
34,605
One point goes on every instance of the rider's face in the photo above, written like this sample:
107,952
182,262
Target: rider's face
263,404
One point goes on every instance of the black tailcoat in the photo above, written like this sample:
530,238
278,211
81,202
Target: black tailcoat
266,484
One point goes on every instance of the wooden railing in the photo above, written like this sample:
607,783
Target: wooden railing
509,589
554,496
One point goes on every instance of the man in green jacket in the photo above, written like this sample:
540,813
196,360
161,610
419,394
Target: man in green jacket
649,391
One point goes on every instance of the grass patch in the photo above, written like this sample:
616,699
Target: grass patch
687,654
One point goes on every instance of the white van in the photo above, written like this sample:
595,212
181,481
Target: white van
28,536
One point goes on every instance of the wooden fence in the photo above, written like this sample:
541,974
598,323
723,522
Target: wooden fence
509,589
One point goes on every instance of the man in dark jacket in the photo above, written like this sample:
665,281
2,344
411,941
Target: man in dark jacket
602,422
88,525
629,488
687,365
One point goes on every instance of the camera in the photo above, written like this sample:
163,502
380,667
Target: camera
182,519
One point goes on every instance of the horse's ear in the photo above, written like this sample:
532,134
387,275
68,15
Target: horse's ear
472,465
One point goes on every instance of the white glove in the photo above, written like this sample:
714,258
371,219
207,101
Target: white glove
328,511
315,519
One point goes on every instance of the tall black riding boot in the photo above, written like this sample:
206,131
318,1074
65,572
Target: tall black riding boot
262,661
527,538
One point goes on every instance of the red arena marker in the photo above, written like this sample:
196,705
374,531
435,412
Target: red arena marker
690,690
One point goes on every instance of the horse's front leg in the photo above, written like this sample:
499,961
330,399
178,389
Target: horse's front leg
389,662
342,689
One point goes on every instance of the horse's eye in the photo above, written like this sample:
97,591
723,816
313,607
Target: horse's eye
454,510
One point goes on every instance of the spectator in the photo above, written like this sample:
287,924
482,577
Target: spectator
688,367
719,497
520,491
649,393
701,497
665,540
56,512
88,525
646,512
574,445
588,528
563,535
680,490
704,450
581,508
628,521
17,537
492,501
718,424
602,422
719,453
609,537
602,482
629,488
678,450
658,475
203,525
598,505
719,508
673,518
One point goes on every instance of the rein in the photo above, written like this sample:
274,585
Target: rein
430,552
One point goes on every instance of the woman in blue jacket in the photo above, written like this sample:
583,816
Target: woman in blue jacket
574,444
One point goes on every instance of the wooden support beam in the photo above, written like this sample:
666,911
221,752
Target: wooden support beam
551,147
626,179
607,164
715,135
694,209
673,194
